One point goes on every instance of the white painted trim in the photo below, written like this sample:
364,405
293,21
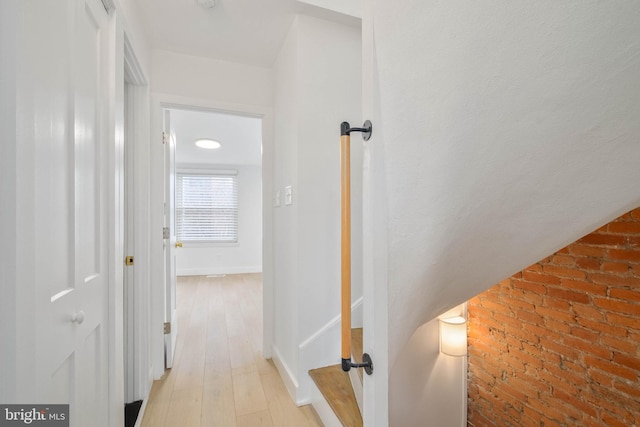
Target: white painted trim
289,379
322,349
132,65
9,196
332,324
156,172
115,127
138,155
219,270
143,408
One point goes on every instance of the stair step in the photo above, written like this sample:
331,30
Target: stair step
356,348
335,386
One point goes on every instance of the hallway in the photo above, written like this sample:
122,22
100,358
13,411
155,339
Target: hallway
219,377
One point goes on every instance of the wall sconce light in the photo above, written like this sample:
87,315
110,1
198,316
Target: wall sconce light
453,336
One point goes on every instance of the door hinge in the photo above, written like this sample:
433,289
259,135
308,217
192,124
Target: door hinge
165,137
128,260
165,232
167,328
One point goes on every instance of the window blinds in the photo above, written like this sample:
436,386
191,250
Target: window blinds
206,208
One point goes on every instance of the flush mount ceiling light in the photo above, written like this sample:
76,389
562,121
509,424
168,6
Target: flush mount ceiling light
207,4
209,144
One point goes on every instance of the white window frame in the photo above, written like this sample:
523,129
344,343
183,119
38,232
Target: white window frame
178,206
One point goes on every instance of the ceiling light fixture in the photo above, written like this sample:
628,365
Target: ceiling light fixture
209,144
207,4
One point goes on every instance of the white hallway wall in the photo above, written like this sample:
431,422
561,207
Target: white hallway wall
242,257
317,86
505,131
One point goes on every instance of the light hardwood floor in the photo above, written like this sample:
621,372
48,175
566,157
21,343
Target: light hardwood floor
219,377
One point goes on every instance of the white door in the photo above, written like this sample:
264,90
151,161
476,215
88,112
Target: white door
170,243
69,163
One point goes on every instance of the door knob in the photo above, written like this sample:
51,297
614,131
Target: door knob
78,317
178,244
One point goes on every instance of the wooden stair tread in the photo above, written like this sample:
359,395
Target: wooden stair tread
356,348
335,386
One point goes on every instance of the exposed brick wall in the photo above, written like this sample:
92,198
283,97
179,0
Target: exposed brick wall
558,344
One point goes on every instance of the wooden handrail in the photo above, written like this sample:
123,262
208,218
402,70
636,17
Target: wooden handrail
345,214
345,245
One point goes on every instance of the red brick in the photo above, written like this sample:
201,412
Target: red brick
564,272
561,349
612,421
587,263
603,240
568,295
590,251
612,368
533,267
601,378
602,327
558,304
493,306
633,392
522,305
575,402
626,345
530,286
618,306
591,288
555,314
531,276
624,228
615,267
625,294
588,312
530,317
615,280
587,347
557,326
626,360
584,334
624,255
625,321
566,260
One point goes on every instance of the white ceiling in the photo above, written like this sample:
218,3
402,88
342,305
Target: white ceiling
244,31
241,138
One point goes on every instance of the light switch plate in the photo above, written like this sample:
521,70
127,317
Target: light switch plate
288,195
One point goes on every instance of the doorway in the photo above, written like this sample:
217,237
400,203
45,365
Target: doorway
136,287
213,200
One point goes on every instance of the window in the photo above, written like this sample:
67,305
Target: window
207,207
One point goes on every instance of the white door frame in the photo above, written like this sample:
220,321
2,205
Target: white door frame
116,221
158,103
138,378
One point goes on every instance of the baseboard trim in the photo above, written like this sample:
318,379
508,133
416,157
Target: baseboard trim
218,270
289,379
